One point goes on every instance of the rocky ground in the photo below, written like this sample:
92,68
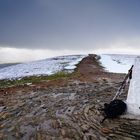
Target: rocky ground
65,109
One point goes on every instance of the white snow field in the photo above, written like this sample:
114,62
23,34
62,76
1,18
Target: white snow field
43,67
117,63
112,63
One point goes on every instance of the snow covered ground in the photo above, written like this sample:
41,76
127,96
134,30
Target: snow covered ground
42,67
111,62
117,63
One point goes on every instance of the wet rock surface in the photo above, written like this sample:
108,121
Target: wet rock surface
70,111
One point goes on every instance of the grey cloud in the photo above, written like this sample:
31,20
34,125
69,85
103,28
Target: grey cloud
71,24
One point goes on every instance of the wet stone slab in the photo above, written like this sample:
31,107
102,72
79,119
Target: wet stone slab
64,113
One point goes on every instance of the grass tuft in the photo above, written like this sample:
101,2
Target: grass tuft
34,79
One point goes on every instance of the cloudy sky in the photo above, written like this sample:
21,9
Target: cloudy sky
36,29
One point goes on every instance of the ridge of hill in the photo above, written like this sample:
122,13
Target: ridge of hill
65,108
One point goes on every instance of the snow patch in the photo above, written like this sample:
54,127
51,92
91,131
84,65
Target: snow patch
42,67
117,63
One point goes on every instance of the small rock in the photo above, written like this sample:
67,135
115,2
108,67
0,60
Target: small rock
41,136
55,124
86,101
106,130
2,126
5,115
137,134
21,104
1,136
11,128
97,112
85,127
63,132
2,108
128,138
59,122
28,84
86,109
76,137
112,135
102,138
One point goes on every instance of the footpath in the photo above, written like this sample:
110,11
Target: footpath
65,109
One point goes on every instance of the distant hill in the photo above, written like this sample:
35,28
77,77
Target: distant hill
7,65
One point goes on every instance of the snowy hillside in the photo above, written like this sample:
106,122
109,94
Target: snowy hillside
112,63
42,67
117,63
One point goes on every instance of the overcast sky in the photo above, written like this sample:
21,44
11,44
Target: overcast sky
36,29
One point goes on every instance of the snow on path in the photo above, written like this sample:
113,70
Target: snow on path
42,67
